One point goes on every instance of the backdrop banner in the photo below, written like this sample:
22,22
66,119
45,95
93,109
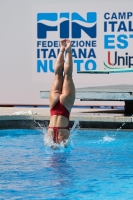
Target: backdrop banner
102,39
101,35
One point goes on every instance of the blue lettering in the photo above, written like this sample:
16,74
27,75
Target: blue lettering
81,53
91,54
38,43
78,62
44,44
52,54
92,63
44,52
72,43
129,14
51,66
121,15
50,43
77,28
130,26
107,41
113,25
122,27
55,43
81,43
94,43
74,53
88,43
121,39
130,36
105,16
105,26
64,25
114,16
38,53
42,66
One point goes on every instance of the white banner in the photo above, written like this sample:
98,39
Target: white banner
101,35
102,39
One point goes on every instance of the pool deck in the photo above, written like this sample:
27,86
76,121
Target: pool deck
89,118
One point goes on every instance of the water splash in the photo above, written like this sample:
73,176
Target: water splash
118,129
108,138
75,127
48,140
44,128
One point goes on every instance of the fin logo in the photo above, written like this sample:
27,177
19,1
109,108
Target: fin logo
62,22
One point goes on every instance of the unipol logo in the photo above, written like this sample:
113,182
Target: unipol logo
68,25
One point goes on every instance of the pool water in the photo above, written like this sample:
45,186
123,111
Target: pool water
97,165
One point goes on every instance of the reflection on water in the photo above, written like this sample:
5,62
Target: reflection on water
61,169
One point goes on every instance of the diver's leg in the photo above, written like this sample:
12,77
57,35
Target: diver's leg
68,88
56,88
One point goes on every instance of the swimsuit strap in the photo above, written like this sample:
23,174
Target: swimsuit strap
55,134
56,129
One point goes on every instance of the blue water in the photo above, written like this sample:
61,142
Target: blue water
97,165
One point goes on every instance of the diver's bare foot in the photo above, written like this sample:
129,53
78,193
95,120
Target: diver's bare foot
63,45
68,46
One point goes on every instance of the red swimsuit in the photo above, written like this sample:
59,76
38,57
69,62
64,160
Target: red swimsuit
59,109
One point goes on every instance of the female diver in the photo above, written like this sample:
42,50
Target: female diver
62,95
